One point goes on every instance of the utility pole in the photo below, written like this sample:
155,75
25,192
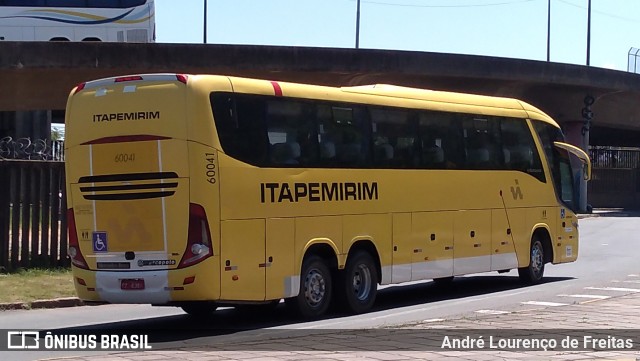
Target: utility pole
205,23
358,25
589,34
549,31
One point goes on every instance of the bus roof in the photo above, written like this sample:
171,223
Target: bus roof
377,94
392,95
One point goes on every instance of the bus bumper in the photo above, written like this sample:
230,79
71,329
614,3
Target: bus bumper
195,283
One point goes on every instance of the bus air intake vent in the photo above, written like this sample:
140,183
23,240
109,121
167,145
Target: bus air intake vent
130,186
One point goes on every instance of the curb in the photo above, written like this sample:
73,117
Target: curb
52,303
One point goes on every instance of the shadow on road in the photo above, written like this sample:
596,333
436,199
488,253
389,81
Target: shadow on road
169,331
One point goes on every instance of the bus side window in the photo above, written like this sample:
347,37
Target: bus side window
440,144
393,138
291,133
344,137
519,149
241,127
69,3
482,142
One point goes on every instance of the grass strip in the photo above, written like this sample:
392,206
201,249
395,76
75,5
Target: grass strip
36,284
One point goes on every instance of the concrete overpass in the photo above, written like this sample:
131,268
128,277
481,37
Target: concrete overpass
38,76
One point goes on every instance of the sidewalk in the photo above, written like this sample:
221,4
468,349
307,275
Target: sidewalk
612,321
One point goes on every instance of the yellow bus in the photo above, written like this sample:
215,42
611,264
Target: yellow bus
199,191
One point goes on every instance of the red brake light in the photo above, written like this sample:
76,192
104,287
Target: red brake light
182,78
74,246
199,245
128,78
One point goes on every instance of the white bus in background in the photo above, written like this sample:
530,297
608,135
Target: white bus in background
77,20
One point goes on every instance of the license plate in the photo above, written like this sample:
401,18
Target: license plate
132,284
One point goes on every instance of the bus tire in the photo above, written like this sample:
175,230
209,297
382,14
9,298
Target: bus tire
316,289
199,309
359,283
533,273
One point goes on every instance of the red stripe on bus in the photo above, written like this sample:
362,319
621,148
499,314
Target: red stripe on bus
276,88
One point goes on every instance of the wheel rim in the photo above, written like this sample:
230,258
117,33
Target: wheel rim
362,282
314,288
536,258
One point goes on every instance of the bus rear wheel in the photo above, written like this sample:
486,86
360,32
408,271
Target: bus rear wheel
359,283
316,289
533,273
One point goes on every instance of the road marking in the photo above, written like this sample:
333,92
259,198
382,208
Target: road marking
400,313
633,275
433,320
540,303
599,297
626,281
321,326
618,289
492,312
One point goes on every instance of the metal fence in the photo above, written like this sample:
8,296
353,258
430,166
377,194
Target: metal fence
27,149
33,224
610,157
615,180
633,60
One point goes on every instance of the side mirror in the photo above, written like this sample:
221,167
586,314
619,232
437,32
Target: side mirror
581,154
586,173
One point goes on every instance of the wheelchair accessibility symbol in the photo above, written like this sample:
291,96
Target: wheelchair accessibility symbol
99,241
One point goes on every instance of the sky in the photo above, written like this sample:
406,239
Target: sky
502,28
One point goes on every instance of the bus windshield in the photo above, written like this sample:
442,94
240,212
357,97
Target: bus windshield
559,164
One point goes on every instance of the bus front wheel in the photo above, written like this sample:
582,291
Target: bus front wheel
316,289
533,273
359,283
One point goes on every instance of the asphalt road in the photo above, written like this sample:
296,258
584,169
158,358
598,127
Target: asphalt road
608,256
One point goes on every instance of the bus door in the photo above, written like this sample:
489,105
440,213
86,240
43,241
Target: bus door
432,245
402,250
279,262
242,255
503,253
256,259
472,242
